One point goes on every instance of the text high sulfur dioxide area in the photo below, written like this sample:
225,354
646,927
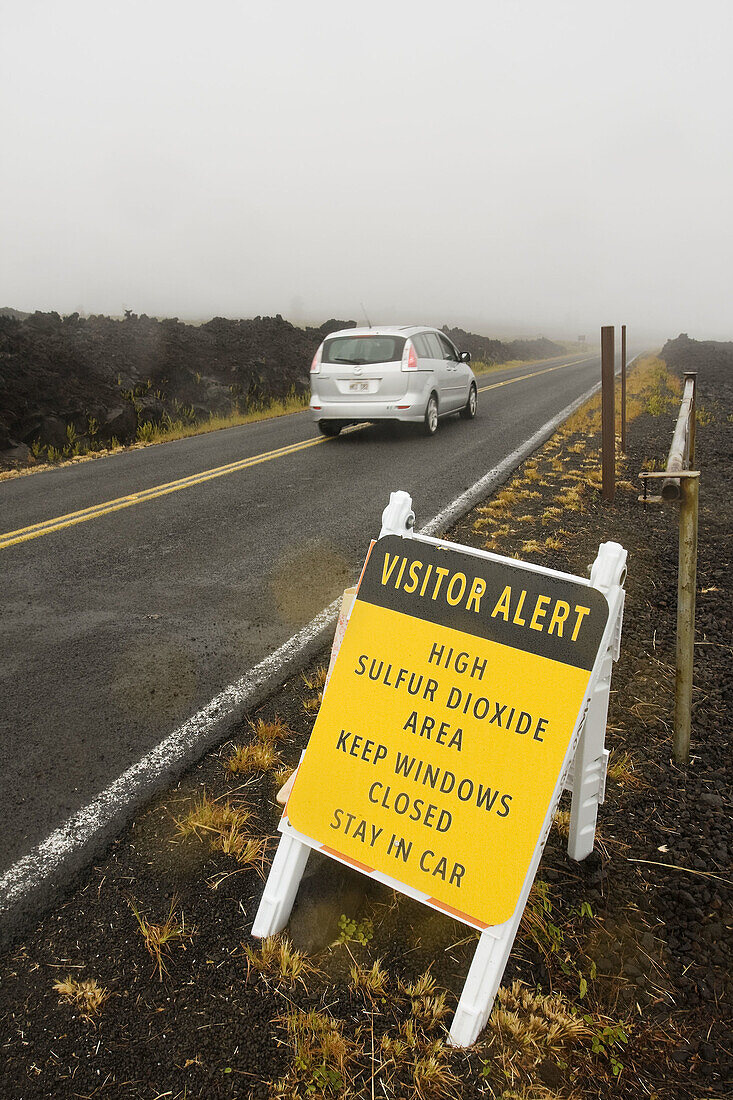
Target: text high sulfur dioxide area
446,721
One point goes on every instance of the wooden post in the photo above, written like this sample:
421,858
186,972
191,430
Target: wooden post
686,582
623,388
608,416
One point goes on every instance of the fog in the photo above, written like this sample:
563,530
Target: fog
516,166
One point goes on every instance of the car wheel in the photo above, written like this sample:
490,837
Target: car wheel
430,423
469,409
329,427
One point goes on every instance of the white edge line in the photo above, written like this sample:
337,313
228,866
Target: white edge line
33,869
498,474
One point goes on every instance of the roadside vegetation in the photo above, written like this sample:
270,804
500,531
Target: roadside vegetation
180,426
481,366
187,425
569,464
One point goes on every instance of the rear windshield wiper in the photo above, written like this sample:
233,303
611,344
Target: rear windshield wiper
354,362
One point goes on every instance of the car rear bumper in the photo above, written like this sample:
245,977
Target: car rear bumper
370,410
408,406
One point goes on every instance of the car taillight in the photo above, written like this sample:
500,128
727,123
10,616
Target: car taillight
316,364
409,357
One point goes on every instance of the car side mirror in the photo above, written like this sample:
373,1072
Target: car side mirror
465,356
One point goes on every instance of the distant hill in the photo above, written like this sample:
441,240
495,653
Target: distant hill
16,314
685,354
486,350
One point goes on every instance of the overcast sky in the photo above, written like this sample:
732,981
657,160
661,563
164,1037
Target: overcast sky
519,166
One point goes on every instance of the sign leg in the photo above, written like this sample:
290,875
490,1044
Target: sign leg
489,960
589,768
608,574
281,887
482,982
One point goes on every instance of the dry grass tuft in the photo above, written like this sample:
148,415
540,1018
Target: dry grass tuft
223,824
406,1060
536,923
277,958
249,851
427,1006
210,817
527,1028
561,822
622,770
574,475
432,1075
424,986
86,996
316,679
159,938
430,1010
311,704
372,981
571,500
269,732
321,1054
260,756
283,774
315,682
587,420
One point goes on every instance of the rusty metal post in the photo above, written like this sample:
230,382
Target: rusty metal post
623,388
686,583
608,416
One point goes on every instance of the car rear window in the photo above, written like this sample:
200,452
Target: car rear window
363,349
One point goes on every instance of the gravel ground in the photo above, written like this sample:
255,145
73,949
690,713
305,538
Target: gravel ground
624,960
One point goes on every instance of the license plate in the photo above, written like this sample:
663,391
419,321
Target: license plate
359,387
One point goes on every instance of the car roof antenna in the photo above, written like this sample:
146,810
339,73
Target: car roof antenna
369,323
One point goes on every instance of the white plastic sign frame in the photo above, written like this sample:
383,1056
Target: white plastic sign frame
583,772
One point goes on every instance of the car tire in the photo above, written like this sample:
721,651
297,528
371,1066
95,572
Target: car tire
469,409
329,427
430,423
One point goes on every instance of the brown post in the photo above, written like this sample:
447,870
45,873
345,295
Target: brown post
608,416
686,582
623,388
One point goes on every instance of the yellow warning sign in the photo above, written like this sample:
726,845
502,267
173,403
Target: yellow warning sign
444,727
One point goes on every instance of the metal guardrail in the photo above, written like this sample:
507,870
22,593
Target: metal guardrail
682,452
680,483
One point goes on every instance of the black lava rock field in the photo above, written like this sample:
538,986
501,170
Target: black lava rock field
97,379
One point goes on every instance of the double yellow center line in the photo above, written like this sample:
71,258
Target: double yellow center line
546,370
23,534
46,527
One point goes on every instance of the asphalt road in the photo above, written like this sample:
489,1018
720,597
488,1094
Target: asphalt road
120,625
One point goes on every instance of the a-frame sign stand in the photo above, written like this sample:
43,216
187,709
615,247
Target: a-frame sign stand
579,763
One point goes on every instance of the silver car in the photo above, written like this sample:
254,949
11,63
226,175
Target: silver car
409,373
